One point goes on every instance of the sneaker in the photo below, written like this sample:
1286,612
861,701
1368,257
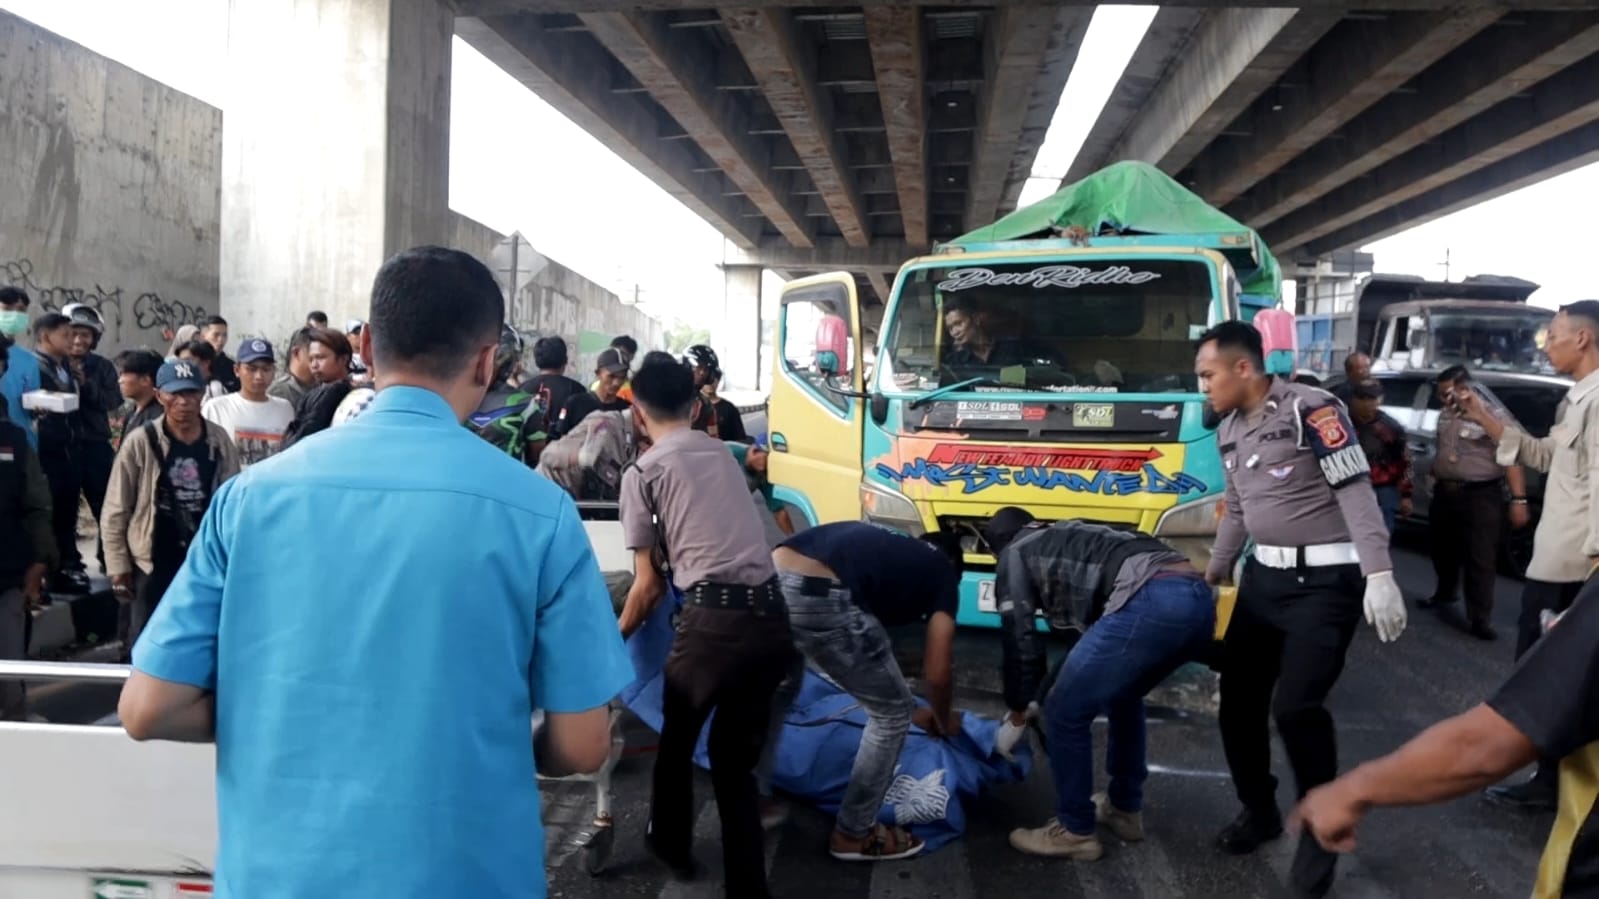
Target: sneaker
773,813
1531,795
1249,831
1055,841
1482,630
1127,826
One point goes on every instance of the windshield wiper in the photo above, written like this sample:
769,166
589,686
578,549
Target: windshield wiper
970,382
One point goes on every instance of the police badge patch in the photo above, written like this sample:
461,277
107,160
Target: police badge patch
1329,427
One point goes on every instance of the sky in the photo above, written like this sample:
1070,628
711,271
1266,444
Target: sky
518,165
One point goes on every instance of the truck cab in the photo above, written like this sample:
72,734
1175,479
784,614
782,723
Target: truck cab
1404,322
1054,374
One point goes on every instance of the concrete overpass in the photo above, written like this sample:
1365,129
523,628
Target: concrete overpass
853,135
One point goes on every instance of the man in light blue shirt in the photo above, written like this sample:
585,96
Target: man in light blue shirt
366,623
22,375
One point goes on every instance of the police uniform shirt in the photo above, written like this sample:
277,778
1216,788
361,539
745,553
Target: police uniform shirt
1296,476
1465,450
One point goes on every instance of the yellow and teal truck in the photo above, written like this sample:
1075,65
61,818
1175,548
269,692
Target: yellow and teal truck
1044,361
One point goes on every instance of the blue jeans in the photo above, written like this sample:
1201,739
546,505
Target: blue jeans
1121,657
1388,502
852,649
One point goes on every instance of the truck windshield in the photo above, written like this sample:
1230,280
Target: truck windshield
1495,342
1101,325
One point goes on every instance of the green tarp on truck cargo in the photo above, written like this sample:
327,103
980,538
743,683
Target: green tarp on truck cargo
1129,197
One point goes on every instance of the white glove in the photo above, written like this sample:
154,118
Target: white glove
1011,734
1385,606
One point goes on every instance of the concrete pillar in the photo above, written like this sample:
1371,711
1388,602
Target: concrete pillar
335,152
738,340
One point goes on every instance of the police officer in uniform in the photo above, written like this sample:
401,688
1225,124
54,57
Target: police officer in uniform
1299,484
1468,506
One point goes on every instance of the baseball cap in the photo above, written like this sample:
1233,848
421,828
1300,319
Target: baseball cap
1370,388
177,376
255,350
354,324
612,360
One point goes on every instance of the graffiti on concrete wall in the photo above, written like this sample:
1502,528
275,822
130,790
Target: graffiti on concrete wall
145,312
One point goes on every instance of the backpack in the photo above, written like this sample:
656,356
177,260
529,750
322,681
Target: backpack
506,423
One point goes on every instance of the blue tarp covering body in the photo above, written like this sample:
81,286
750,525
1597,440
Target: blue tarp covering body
935,777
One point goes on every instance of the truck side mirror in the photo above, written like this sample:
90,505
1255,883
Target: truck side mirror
878,406
1209,417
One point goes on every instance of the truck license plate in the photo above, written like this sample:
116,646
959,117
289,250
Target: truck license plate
985,597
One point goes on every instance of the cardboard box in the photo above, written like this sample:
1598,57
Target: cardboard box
50,401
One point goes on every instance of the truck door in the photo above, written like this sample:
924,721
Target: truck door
815,423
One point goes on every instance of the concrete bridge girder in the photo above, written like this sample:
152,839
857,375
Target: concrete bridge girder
1492,67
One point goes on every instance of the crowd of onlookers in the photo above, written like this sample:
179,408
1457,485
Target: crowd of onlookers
146,438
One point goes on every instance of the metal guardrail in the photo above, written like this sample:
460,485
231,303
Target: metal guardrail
64,671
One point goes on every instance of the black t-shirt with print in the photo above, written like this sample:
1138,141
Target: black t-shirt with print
188,472
578,407
1552,698
551,393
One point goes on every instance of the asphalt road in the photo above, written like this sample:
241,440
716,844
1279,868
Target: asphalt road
1386,695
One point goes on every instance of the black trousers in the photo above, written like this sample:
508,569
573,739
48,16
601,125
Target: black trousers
1284,651
1466,521
94,476
61,470
730,662
1536,597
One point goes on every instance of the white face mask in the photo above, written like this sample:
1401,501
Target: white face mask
13,322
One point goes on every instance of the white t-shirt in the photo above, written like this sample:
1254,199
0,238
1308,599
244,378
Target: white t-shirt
256,428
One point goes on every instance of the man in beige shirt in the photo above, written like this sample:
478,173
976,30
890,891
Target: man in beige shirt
1566,543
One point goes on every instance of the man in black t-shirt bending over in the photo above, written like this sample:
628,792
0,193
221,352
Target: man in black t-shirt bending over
843,583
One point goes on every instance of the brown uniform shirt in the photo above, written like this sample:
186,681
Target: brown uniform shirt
1296,476
712,531
1465,451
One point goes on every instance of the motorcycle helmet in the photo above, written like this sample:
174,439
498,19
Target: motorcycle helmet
85,316
702,356
507,354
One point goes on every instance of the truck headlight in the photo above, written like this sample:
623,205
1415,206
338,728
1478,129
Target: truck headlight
880,505
1194,519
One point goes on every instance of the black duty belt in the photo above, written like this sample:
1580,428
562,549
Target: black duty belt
735,597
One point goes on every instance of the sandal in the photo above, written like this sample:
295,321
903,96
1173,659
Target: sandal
885,844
